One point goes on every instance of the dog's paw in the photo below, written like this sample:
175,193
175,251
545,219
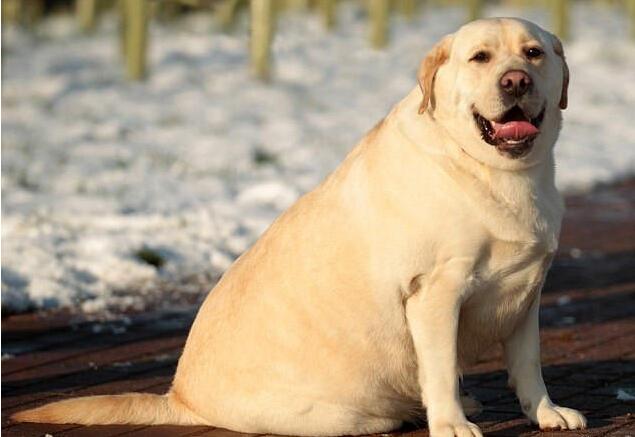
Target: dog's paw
555,417
461,429
471,406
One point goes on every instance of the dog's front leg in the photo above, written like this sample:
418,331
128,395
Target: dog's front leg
433,317
522,354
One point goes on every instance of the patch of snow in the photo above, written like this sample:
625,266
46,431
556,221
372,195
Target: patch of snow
164,357
626,394
575,253
567,320
193,164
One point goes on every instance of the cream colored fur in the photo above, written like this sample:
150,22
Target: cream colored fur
368,297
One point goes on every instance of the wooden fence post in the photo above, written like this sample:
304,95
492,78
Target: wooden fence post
86,11
11,11
328,9
166,11
560,18
408,8
225,13
474,9
379,16
300,5
134,28
31,11
630,9
261,36
518,3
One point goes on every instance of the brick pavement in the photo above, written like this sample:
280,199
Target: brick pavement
587,331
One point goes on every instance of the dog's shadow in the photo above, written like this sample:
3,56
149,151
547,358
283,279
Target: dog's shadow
595,397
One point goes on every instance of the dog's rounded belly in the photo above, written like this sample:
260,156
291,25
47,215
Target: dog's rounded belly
314,374
282,397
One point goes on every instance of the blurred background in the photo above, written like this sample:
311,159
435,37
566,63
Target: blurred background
147,144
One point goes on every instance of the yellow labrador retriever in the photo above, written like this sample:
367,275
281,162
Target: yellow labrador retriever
365,300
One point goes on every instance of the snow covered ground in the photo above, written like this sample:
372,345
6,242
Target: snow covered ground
115,192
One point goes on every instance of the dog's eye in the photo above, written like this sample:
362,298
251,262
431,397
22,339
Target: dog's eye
533,53
481,57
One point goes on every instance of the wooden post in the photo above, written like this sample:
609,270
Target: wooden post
31,11
378,22
86,11
603,3
11,11
327,10
300,5
134,37
225,13
560,18
261,37
474,9
166,11
630,9
517,3
408,8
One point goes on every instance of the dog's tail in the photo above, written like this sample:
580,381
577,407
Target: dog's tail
124,409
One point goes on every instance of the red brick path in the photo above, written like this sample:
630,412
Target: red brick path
588,342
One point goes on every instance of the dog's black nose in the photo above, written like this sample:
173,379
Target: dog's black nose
516,82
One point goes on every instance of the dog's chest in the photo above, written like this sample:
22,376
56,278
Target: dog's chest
506,284
516,249
515,254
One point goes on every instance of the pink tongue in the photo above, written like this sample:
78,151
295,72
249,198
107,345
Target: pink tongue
514,130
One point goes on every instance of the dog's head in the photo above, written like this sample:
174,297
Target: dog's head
497,86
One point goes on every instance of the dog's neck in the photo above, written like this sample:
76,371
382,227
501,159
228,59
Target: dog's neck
429,136
529,194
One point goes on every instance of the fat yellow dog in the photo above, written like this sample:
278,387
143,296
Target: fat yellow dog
362,303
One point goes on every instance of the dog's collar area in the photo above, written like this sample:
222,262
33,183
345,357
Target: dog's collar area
513,133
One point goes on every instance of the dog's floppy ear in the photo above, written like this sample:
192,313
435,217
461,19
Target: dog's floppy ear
564,96
428,69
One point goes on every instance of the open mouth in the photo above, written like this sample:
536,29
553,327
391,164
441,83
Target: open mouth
513,133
